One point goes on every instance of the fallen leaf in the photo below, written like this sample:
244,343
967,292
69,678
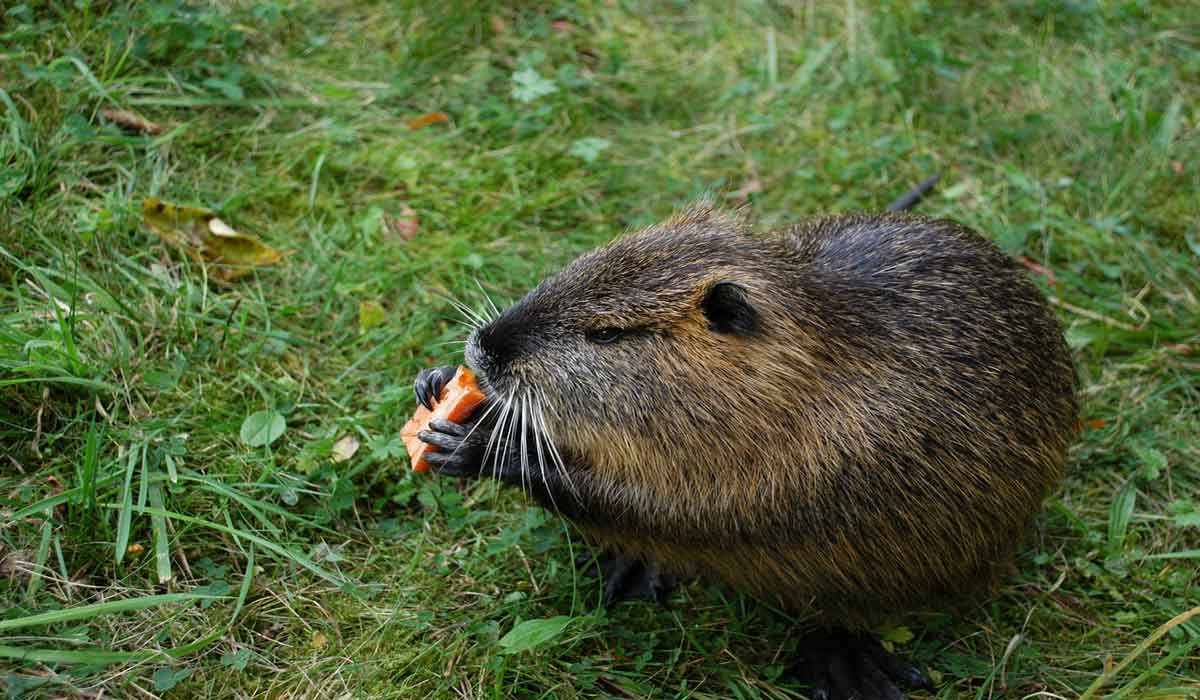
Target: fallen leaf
427,119
135,549
344,449
1039,269
406,225
533,633
205,238
370,314
263,427
128,120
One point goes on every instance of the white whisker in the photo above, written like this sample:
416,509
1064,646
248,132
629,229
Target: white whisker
555,455
541,457
524,401
473,317
488,298
495,437
510,429
457,322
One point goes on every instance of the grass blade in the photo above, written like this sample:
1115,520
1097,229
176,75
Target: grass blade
60,656
244,590
1120,513
86,612
158,525
91,465
1182,554
125,516
172,471
43,555
62,379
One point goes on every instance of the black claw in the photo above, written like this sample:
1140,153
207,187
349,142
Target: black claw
896,668
422,392
429,384
446,426
917,679
438,381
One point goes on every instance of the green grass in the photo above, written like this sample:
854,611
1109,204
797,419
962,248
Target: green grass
1065,131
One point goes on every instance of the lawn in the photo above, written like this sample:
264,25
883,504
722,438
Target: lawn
202,491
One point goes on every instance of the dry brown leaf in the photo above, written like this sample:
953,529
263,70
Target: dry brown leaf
426,119
128,120
205,238
344,449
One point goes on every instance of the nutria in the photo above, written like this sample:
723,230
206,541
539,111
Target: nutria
857,416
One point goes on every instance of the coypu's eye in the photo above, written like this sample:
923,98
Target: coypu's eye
604,336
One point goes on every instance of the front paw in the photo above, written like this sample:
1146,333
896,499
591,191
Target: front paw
430,382
460,446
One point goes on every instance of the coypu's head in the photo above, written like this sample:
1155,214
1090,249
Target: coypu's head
640,345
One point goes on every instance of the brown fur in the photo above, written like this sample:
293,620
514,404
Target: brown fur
879,443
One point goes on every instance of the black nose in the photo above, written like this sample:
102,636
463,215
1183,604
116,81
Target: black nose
495,345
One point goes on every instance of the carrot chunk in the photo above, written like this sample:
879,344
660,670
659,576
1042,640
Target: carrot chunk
458,400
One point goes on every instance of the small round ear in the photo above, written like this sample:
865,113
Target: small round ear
728,310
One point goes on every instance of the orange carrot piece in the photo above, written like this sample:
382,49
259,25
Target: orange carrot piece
459,399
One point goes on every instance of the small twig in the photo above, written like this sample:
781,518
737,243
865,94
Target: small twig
909,199
228,319
1086,313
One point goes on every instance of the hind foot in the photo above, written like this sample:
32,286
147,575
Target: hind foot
627,578
843,665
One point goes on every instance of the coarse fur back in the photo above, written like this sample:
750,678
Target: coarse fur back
857,414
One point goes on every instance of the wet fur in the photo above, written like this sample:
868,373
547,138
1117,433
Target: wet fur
876,440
